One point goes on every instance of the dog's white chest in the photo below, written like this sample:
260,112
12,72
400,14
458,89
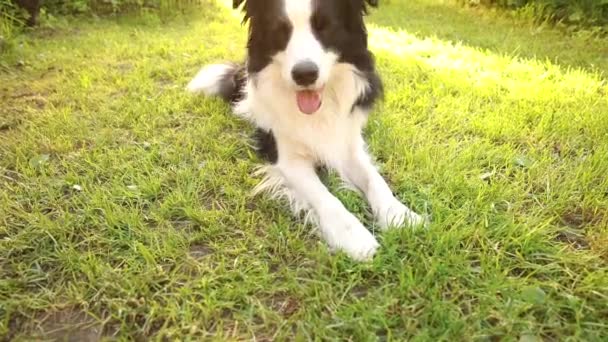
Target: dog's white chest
324,135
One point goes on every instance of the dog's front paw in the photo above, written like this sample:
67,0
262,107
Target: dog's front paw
395,214
345,232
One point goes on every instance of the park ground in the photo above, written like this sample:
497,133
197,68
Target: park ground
126,212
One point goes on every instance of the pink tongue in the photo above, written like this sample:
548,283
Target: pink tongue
309,101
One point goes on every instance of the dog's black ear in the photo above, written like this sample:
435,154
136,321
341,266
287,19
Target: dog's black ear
237,3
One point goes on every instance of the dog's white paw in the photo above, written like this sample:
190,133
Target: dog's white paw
345,232
396,214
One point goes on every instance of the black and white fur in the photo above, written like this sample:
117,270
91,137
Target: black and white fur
331,36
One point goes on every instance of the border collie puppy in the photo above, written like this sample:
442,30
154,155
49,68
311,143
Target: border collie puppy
308,85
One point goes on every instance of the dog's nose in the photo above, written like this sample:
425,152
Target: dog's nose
305,73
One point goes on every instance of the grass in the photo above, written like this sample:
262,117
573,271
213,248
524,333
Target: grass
125,206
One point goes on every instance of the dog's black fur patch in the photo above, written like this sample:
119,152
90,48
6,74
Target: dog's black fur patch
339,26
269,31
232,84
374,91
266,145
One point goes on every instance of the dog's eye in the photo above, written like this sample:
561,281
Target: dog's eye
320,23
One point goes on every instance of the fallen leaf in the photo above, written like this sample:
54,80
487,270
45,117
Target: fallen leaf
534,295
523,161
38,161
486,175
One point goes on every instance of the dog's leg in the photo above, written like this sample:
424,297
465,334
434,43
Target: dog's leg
359,170
340,228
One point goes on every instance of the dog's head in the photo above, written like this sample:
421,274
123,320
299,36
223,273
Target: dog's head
306,39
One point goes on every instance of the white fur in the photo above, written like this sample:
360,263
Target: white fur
303,45
341,229
331,136
359,171
208,79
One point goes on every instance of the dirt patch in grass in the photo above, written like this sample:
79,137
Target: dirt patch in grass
284,304
581,217
68,325
575,239
11,116
124,68
16,105
9,122
9,176
575,222
199,251
360,291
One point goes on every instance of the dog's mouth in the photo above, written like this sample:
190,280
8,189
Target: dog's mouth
309,100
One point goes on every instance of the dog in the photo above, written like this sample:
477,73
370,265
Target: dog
308,85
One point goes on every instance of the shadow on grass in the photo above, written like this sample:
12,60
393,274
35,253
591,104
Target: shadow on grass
497,34
207,11
184,14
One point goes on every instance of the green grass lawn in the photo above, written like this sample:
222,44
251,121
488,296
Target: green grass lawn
125,206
